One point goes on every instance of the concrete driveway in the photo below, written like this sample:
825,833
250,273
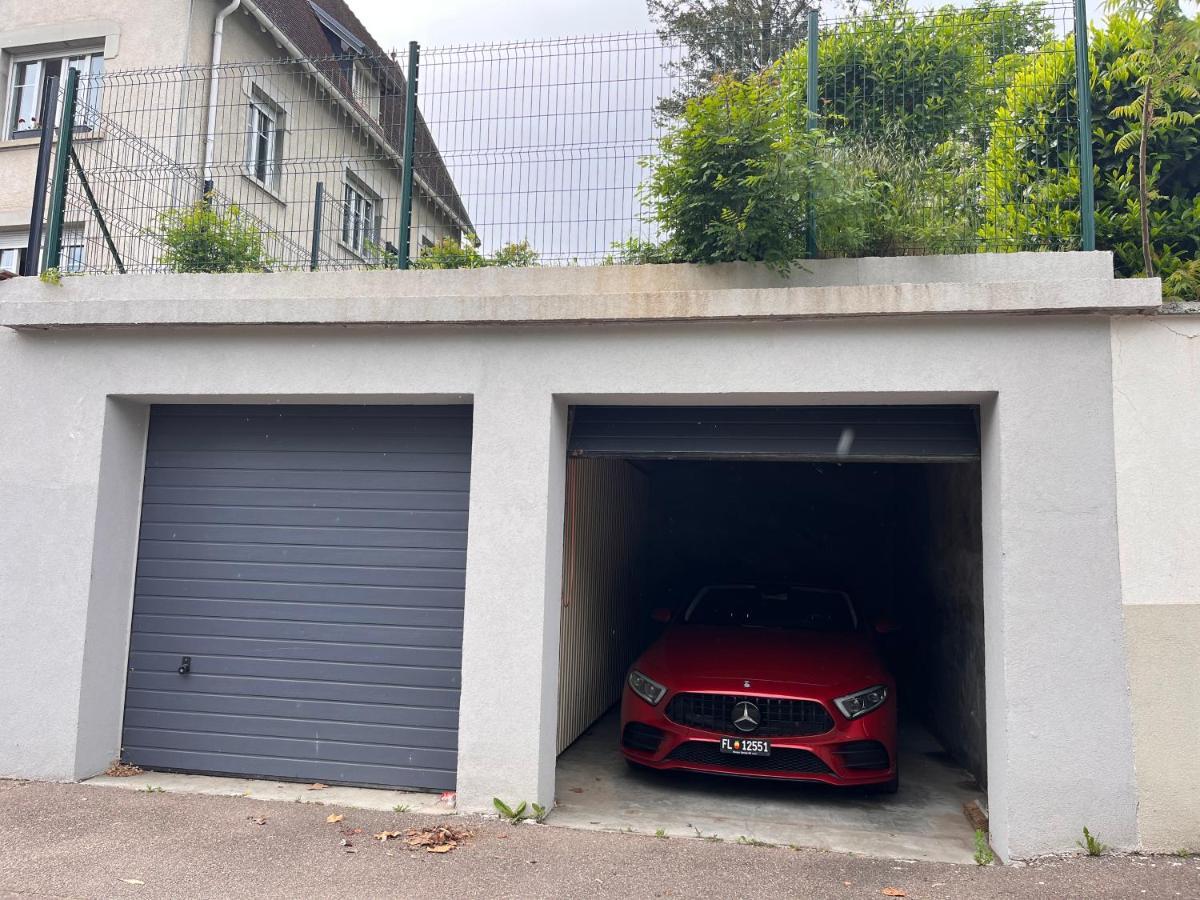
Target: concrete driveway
70,840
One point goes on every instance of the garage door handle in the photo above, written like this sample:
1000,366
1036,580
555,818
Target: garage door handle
185,665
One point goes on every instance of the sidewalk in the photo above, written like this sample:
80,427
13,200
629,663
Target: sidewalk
69,840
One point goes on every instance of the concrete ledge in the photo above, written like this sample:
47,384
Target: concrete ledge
993,284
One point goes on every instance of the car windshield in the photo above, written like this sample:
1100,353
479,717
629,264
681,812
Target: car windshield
749,606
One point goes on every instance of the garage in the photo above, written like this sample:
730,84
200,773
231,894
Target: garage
877,505
298,600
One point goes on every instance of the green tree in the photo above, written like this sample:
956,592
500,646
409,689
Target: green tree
1165,69
201,238
733,38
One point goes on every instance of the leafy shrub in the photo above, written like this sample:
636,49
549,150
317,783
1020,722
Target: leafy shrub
733,181
203,239
922,77
636,251
449,253
1032,183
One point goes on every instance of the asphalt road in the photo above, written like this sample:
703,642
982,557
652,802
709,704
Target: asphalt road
69,840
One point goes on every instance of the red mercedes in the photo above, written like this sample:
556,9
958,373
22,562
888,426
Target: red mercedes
767,681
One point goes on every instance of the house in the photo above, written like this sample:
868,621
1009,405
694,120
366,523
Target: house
265,99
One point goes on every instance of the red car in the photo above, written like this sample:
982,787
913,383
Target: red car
765,681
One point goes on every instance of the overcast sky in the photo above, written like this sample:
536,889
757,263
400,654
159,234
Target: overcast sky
440,22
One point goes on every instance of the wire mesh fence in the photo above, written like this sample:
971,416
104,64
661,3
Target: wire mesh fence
959,127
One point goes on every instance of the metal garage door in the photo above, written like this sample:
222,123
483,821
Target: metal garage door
309,561
840,433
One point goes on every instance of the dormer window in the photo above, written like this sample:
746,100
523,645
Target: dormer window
365,88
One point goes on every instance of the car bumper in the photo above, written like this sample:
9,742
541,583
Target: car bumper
854,752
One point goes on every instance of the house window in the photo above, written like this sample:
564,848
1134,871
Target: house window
360,221
29,79
365,88
12,259
264,142
13,247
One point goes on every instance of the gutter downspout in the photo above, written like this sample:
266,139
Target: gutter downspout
209,135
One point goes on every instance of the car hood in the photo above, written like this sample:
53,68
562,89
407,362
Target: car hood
701,657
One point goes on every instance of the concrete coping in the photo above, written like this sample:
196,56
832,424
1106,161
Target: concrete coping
1017,283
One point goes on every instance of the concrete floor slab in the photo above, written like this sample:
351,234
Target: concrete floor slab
924,820
289,792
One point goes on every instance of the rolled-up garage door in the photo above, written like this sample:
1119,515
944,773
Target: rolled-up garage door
299,594
817,433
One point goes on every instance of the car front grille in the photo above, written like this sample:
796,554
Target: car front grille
782,759
780,717
862,755
639,736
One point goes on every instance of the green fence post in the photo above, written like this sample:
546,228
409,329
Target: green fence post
1083,90
812,39
314,255
62,159
410,135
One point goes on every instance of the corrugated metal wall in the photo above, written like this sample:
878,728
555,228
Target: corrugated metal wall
606,514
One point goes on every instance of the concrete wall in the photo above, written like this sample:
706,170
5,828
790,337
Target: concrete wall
1052,586
1156,411
953,561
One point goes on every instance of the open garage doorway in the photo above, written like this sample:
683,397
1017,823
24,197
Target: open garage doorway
712,511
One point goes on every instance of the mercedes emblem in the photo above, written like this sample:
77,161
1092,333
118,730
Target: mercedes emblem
746,716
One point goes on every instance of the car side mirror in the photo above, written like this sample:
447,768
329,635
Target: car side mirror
662,615
884,625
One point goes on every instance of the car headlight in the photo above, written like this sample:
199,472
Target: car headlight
862,702
646,688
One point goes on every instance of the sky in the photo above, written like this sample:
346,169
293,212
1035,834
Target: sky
441,22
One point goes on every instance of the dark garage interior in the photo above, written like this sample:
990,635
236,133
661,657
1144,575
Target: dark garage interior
896,527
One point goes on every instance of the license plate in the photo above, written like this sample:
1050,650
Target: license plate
745,746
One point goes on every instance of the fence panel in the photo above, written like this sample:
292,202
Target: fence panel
540,151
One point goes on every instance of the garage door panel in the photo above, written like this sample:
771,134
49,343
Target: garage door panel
902,433
205,663
185,645
314,516
319,479
355,594
299,631
291,748
298,769
279,611
305,498
295,573
148,702
268,690
229,551
310,563
456,460
301,536
299,729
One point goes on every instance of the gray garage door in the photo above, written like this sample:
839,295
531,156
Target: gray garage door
309,561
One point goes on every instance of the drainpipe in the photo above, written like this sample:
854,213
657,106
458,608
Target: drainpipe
209,135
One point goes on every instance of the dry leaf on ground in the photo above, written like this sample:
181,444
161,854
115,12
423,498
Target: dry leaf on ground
316,786
350,832
122,770
894,892
258,820
387,835
334,818
435,839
